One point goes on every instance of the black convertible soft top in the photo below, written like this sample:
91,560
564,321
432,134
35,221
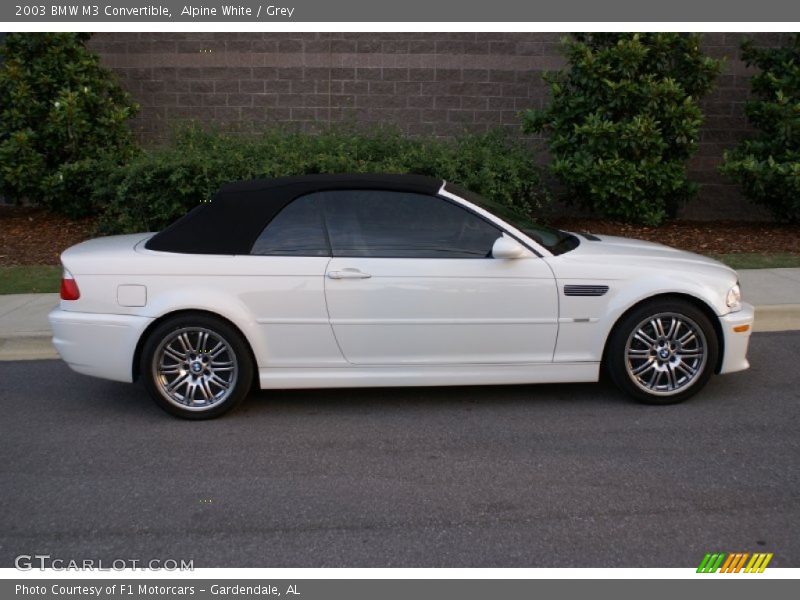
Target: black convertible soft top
236,215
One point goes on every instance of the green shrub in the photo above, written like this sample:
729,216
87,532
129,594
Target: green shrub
624,119
60,113
768,166
156,187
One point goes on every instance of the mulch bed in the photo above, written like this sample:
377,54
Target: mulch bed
30,236
703,237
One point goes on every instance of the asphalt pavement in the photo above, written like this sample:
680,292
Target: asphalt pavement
522,476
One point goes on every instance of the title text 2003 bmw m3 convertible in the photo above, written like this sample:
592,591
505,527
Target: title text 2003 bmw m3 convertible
388,280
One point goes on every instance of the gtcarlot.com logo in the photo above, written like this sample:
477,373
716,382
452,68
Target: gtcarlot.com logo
42,562
735,562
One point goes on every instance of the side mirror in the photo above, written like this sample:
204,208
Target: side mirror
506,247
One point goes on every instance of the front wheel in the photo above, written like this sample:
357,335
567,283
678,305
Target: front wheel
196,366
662,352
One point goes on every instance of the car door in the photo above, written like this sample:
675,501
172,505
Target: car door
285,289
412,281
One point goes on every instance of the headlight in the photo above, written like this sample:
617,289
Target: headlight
734,298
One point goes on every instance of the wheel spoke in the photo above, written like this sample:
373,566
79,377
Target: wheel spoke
202,340
178,382
684,368
191,388
673,324
672,381
638,352
219,381
189,342
183,339
217,350
658,327
650,364
202,387
653,379
207,390
174,355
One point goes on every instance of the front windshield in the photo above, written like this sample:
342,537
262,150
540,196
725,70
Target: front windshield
555,240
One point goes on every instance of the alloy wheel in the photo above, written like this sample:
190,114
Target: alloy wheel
195,368
665,354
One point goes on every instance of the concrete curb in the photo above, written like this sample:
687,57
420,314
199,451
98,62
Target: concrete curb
39,346
777,317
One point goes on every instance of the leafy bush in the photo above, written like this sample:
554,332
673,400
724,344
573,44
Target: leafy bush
154,188
768,166
624,119
60,113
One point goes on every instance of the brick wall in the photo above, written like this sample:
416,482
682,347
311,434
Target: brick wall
425,83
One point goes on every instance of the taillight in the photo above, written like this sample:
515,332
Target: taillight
69,288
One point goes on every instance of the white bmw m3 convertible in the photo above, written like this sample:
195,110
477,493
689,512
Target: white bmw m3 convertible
388,280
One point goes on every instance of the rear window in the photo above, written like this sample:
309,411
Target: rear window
297,230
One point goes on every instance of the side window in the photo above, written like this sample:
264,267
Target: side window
404,225
297,230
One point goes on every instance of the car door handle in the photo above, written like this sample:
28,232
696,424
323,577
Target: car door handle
348,274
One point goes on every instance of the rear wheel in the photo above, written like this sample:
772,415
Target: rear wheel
662,352
196,366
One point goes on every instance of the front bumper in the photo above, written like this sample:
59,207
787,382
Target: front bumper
100,345
736,342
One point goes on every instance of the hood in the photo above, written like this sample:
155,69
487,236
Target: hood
620,258
628,249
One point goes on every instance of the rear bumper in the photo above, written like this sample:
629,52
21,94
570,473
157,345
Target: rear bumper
100,345
736,342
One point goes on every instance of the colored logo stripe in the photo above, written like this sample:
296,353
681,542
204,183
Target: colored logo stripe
734,562
758,563
711,562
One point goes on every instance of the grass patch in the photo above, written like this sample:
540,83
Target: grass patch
748,260
30,279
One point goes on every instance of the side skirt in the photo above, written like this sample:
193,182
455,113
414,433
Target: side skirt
423,375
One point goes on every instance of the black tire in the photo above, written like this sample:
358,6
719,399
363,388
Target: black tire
631,361
231,365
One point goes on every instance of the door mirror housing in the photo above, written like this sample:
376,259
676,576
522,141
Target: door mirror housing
506,247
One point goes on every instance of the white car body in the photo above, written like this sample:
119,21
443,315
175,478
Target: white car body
413,321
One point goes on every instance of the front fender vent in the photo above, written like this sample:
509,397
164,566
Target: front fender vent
585,290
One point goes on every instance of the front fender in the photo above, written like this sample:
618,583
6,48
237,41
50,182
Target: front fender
586,322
